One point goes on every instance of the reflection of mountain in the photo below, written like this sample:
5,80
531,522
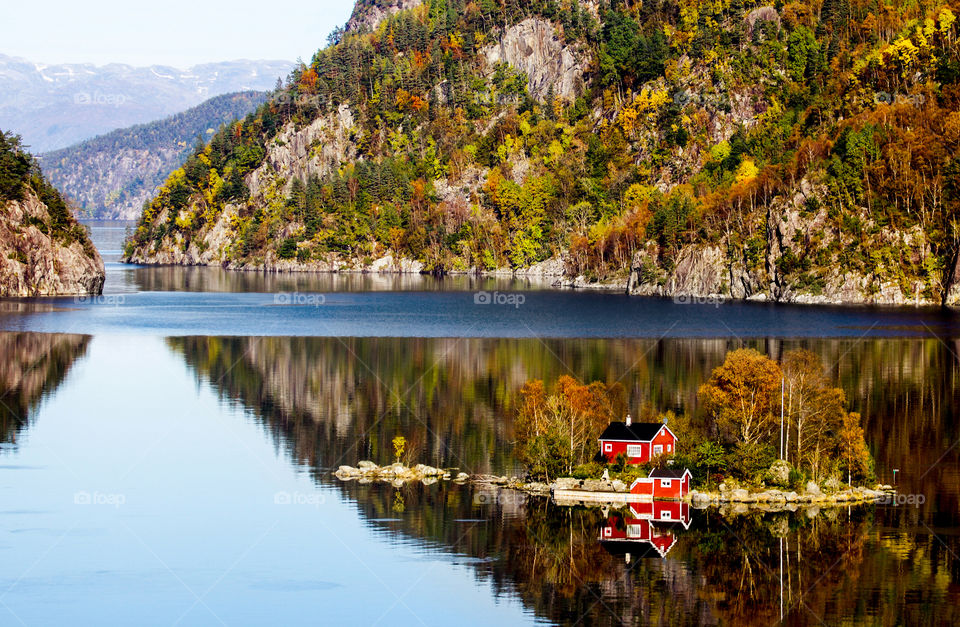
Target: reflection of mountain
215,279
330,400
33,365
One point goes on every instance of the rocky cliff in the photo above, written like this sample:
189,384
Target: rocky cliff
34,262
717,271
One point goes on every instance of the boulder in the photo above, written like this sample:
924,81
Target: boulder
462,477
347,471
566,483
427,471
779,473
739,495
790,496
367,465
832,485
619,486
699,499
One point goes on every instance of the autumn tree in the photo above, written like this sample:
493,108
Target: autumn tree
820,433
741,396
853,447
558,430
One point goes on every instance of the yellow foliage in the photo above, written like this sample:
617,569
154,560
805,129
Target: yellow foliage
184,220
946,20
747,170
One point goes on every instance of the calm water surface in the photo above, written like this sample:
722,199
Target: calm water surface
167,462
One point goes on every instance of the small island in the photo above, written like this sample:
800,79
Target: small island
769,435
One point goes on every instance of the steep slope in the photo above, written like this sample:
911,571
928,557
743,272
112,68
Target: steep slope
805,154
54,106
113,175
43,250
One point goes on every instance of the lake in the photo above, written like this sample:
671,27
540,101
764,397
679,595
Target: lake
166,458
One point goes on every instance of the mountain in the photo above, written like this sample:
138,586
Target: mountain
43,250
54,106
111,176
807,153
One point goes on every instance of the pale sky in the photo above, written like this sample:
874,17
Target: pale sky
180,33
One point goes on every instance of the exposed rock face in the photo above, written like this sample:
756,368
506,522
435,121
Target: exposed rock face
32,263
317,149
714,272
533,47
367,14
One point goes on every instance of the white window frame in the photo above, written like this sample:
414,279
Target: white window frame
667,514
634,531
634,450
669,446
666,483
657,449
607,447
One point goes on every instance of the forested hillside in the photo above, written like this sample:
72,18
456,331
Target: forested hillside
113,175
803,152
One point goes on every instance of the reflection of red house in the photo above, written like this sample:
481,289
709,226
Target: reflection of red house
664,512
647,530
638,441
664,483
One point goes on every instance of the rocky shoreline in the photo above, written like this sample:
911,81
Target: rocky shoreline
596,491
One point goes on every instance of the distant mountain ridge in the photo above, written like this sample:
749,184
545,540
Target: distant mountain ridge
54,106
112,175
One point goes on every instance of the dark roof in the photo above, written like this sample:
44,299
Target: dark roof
643,431
668,473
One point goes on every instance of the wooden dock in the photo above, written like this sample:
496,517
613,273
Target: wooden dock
586,496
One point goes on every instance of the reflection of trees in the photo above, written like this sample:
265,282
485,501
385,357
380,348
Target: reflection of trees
33,365
455,399
326,400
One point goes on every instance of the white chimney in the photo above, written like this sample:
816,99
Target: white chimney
628,420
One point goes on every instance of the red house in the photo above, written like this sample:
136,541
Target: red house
664,483
639,441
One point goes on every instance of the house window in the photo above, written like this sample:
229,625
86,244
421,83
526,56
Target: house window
635,531
667,514
668,447
607,531
608,447
634,450
666,483
658,449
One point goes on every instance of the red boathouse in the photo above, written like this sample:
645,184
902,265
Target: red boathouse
639,441
664,483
